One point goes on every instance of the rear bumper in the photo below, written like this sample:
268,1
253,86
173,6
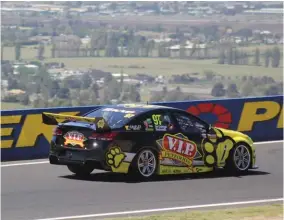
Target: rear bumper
68,156
55,160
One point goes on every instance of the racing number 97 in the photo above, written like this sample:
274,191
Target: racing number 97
157,119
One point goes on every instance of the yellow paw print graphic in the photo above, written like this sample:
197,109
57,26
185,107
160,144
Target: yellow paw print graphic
115,157
216,150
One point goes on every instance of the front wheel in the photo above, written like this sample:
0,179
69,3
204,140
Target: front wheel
145,164
239,159
80,170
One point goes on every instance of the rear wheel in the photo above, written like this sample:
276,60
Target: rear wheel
145,164
80,170
239,159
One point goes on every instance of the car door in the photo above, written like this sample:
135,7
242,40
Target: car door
193,130
163,124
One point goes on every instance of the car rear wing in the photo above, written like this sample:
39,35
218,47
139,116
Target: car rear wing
99,123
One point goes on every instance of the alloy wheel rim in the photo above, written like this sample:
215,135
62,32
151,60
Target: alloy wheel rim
242,157
147,163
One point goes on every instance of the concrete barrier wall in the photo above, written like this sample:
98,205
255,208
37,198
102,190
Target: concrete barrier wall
23,136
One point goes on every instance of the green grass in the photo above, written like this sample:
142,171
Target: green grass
27,52
272,212
12,106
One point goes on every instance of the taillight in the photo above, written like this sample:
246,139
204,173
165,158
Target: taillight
57,131
108,136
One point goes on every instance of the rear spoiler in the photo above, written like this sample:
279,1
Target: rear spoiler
51,119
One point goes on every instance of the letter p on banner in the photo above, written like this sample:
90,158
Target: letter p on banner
249,115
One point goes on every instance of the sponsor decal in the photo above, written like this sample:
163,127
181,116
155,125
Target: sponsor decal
252,113
114,157
129,115
181,170
74,138
257,112
101,123
224,116
216,150
157,120
178,147
133,127
161,128
24,130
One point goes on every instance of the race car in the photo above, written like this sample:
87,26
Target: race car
144,141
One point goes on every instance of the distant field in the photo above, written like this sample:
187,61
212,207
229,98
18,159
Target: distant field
167,67
12,106
154,66
30,52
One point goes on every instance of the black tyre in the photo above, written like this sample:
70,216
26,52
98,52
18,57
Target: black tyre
80,170
239,159
145,164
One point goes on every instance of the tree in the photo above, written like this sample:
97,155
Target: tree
18,51
2,51
157,97
276,55
245,32
218,90
63,93
256,60
273,90
43,79
267,54
86,81
40,51
95,89
247,89
71,82
232,90
24,99
222,57
230,56
133,95
209,75
54,88
53,51
121,80
244,78
182,51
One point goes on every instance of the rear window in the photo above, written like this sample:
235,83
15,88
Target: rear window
115,117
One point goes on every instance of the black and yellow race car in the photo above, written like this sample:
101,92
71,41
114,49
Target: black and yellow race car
145,140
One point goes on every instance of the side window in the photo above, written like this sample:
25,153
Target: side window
148,124
144,123
189,124
162,122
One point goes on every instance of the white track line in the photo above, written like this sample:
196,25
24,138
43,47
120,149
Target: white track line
23,164
46,161
164,209
269,142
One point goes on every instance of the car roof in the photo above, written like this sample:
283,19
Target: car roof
140,107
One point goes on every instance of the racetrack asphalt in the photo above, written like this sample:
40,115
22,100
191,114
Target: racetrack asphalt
45,191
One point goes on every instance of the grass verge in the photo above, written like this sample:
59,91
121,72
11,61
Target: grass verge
13,106
259,212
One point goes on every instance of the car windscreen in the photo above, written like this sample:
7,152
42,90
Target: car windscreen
115,117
